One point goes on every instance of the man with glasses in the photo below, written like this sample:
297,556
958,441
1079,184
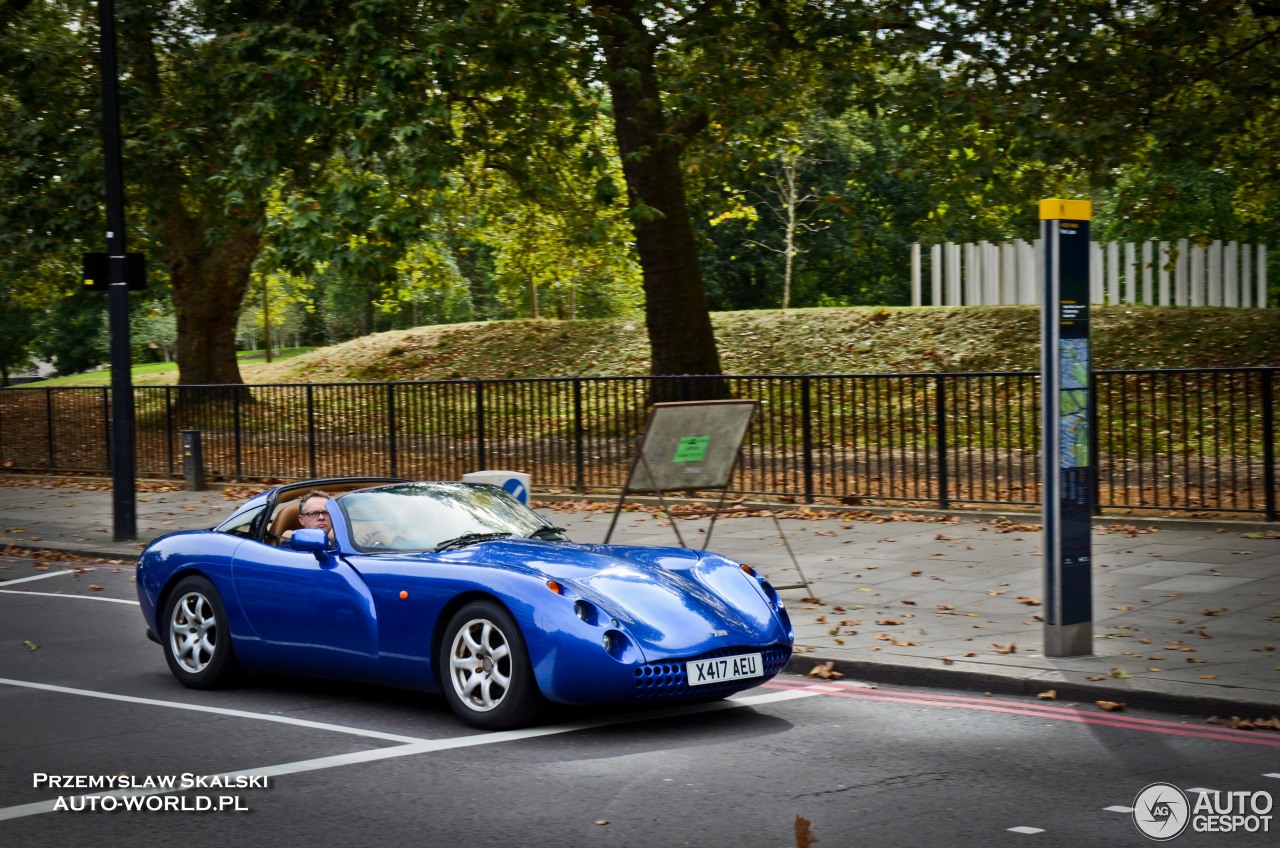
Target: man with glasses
313,513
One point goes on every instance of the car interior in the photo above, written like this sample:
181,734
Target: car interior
285,520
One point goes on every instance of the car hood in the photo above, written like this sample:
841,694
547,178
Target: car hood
666,597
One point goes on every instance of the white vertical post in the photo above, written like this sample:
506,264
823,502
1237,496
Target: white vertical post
1163,261
991,273
1113,273
1148,294
935,274
1008,273
1231,274
1213,274
1130,274
915,274
1246,275
1038,249
971,296
1262,276
1097,291
954,298
1028,273
1197,275
1181,274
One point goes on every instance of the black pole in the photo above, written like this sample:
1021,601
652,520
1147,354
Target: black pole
123,475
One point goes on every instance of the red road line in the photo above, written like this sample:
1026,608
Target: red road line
1043,711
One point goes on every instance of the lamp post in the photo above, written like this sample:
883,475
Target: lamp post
123,480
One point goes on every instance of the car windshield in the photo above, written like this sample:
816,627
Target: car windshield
424,516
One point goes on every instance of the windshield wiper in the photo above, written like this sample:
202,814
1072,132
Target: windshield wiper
468,539
554,534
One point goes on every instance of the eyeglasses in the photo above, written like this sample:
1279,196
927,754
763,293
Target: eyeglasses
315,514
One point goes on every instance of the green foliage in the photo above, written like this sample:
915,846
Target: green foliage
72,333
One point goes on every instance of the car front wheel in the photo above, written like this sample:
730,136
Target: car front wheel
485,669
197,643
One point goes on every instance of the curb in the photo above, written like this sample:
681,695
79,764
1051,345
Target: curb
1027,682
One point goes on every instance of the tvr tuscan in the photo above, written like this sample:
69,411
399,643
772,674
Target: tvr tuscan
460,589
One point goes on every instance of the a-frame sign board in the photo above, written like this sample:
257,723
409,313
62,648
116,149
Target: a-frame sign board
695,446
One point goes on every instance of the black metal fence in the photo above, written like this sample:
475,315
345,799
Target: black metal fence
1200,440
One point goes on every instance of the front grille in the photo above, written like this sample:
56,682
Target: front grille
666,679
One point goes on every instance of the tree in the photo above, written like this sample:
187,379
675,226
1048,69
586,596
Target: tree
220,101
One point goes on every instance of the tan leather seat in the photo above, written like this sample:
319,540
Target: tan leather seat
285,521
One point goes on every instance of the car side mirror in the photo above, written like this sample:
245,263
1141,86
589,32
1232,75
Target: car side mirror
310,539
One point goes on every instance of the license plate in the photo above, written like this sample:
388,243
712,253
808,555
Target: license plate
702,672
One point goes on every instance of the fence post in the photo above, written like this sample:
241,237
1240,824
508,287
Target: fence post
940,429
806,429
48,422
106,425
235,415
579,449
1269,436
168,427
391,426
480,447
311,429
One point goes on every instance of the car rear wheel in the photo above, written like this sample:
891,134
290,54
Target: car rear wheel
485,669
197,643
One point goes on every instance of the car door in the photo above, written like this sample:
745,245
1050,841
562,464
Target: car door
315,616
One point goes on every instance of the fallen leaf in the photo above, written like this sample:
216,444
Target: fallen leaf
804,834
602,821
889,622
1051,695
1110,706
1120,674
1208,677
95,587
1218,611
31,646
1003,649
825,671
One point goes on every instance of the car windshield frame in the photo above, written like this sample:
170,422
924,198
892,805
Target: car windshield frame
419,517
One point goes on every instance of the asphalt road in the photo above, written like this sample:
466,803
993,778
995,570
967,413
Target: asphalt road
84,695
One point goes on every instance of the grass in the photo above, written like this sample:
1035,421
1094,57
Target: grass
855,340
160,373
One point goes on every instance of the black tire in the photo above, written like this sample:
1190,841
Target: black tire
195,636
485,670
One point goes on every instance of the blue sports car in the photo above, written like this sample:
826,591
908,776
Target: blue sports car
455,588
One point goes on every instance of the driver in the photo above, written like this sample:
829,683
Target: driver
313,512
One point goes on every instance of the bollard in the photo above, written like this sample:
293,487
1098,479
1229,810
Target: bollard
192,461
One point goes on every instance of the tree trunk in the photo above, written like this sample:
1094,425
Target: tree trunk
209,282
681,339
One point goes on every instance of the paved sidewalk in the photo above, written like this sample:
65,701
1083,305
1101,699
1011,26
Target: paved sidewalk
1186,614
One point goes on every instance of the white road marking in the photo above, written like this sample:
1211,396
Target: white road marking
1272,774
1118,809
64,595
36,577
422,746
1025,829
152,702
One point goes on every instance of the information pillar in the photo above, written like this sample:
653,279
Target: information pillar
1067,399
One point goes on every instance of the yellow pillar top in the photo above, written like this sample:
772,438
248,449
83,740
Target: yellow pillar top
1066,210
